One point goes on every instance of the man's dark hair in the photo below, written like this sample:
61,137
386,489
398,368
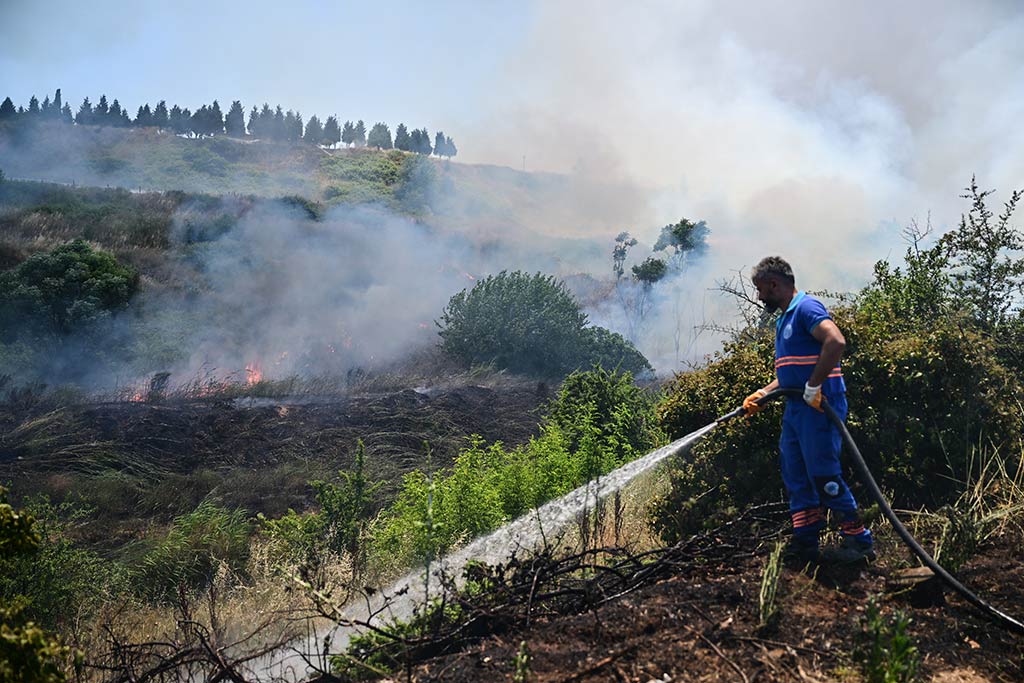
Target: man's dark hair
773,266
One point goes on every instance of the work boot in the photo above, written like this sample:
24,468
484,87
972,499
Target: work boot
851,550
799,554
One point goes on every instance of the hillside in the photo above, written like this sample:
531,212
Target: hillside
694,616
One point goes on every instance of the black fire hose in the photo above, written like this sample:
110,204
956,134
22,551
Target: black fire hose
999,618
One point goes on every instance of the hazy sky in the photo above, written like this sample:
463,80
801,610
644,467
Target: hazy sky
424,63
812,128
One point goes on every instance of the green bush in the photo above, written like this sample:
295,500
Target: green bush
64,290
599,421
529,324
735,466
195,548
337,528
28,654
58,582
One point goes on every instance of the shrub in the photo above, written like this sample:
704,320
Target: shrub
529,324
65,289
598,421
28,654
338,527
621,412
58,582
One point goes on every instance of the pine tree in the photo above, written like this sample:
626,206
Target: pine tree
254,121
198,121
65,114
379,137
215,124
439,148
33,106
425,147
101,110
402,139
348,133
175,120
7,110
360,134
314,134
160,117
84,115
279,131
450,149
143,118
234,122
332,134
44,108
114,114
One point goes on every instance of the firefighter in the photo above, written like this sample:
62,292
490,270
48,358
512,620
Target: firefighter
808,346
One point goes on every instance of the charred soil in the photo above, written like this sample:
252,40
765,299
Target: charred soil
136,462
695,617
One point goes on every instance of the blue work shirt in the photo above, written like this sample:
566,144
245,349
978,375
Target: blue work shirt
797,351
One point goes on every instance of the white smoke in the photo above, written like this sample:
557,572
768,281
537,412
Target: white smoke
813,130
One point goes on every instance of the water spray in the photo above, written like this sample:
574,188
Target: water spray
400,602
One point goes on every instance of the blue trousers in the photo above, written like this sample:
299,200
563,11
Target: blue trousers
809,458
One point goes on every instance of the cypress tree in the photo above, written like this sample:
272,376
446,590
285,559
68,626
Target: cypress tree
279,131
254,118
84,115
114,114
314,134
7,110
332,134
234,122
379,137
360,134
402,139
160,118
348,133
143,118
215,120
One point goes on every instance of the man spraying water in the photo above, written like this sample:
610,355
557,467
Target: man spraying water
808,346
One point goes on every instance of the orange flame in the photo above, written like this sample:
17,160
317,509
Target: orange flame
254,373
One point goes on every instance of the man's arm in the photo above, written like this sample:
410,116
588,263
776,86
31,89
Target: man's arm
833,343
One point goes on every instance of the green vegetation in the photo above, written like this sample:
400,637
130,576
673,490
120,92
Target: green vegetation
598,422
28,654
529,324
195,548
929,377
337,529
886,652
64,290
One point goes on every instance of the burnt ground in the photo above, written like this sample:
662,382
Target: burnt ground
698,621
138,462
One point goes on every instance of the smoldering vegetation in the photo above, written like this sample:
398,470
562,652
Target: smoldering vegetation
241,290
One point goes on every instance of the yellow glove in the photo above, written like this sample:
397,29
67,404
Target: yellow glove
813,397
750,405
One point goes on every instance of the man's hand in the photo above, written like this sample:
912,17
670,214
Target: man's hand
750,402
812,397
